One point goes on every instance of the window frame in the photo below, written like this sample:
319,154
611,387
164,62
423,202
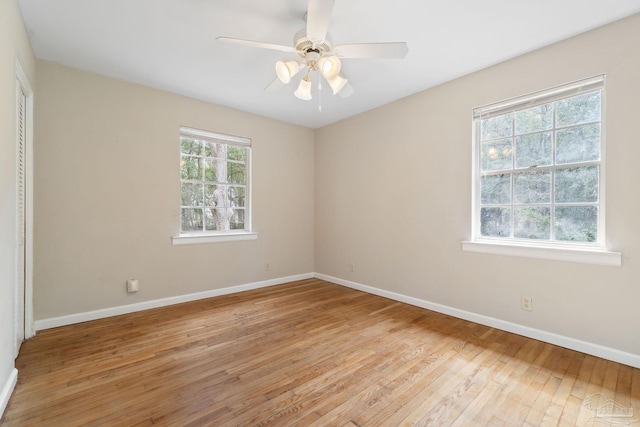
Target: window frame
211,236
589,252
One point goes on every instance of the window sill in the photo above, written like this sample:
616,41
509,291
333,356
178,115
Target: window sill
192,239
570,254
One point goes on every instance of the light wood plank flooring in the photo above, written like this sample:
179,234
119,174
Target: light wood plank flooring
307,353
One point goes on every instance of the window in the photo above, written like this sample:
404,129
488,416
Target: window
539,170
215,184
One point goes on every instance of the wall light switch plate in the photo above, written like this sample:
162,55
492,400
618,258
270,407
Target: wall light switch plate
132,285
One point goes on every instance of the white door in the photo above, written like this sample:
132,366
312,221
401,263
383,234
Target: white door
21,130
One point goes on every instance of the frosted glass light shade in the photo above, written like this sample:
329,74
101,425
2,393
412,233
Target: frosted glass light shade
329,66
304,89
286,70
337,83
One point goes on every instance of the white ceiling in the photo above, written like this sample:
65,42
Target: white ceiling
170,44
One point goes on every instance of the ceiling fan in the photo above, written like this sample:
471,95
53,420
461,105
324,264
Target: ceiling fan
317,54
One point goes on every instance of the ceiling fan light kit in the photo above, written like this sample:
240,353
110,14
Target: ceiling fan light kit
304,89
313,46
337,83
286,70
329,66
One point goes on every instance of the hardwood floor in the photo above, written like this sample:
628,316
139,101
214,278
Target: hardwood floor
308,353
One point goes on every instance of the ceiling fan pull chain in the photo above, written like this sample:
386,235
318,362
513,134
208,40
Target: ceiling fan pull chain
319,94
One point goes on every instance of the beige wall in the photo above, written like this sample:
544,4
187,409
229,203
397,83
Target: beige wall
107,195
393,196
14,45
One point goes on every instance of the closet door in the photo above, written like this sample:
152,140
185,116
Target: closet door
21,126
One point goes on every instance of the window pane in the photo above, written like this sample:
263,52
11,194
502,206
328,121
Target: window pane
497,127
534,187
237,219
534,150
215,170
495,189
213,149
532,223
578,144
534,119
190,146
209,223
577,185
236,153
497,155
235,173
217,219
495,222
577,223
191,219
578,109
190,168
236,196
214,195
191,194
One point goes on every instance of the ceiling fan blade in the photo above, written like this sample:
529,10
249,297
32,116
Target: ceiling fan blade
252,43
318,16
346,91
372,50
274,85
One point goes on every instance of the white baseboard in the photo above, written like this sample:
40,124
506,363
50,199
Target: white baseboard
549,337
7,390
70,319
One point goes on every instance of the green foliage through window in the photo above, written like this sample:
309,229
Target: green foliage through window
214,184
539,170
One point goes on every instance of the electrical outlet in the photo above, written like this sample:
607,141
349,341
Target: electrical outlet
267,266
352,267
526,303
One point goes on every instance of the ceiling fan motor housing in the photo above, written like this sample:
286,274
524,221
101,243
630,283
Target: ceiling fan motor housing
306,46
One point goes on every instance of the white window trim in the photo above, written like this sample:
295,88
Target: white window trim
570,253
191,239
560,251
221,236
